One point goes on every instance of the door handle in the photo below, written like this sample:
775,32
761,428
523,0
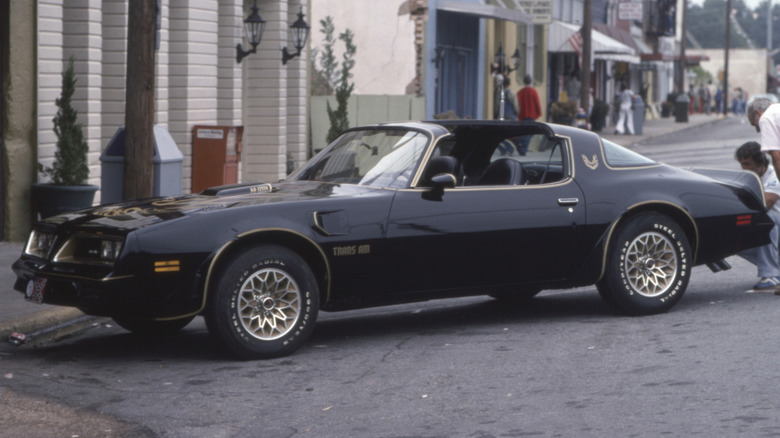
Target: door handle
567,202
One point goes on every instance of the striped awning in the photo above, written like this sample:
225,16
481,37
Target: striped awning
508,10
604,47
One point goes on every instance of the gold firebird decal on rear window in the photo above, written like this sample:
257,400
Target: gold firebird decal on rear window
593,163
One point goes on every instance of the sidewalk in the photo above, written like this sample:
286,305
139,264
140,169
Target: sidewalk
659,127
44,322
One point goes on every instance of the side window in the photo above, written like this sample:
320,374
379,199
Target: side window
541,159
441,161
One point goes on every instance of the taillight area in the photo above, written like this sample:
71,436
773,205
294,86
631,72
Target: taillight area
745,219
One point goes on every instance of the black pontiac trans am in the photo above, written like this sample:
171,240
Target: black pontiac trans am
397,213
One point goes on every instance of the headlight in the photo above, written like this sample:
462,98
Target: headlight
110,249
90,249
39,244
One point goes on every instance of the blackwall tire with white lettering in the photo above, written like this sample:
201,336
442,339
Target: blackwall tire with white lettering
648,265
265,303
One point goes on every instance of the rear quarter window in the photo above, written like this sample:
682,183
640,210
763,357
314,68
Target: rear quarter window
618,156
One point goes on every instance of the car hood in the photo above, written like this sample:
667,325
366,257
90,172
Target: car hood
137,214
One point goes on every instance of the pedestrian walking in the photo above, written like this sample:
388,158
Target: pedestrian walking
529,108
626,114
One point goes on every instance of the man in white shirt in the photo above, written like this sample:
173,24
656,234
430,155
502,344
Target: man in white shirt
766,258
626,114
765,117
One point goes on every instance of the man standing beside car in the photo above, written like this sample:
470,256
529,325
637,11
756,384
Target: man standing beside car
767,257
765,117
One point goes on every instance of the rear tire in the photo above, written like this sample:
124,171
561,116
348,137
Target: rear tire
264,304
648,265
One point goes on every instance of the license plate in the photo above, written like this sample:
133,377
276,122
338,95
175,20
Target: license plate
35,290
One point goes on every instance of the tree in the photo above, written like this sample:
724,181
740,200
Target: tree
332,77
707,24
70,160
339,120
139,101
328,61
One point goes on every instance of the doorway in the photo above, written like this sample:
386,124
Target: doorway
458,36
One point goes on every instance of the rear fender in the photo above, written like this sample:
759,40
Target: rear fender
736,179
597,260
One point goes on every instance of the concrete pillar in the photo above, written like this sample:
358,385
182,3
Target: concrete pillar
20,133
192,73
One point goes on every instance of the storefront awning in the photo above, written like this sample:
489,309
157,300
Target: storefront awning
604,47
625,37
494,9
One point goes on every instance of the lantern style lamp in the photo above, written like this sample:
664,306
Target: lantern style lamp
516,57
299,31
254,25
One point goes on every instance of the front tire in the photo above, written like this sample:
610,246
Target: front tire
265,303
648,265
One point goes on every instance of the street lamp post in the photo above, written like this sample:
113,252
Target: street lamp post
498,75
500,71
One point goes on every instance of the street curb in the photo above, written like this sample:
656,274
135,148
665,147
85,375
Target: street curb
45,320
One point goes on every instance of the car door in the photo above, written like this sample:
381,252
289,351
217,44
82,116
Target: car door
478,236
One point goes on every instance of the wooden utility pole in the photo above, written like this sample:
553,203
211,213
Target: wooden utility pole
681,73
587,26
727,45
139,100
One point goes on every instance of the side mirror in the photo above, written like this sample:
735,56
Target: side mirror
439,182
443,181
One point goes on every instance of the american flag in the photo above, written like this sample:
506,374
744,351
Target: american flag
576,42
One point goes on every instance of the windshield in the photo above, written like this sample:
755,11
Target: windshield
378,158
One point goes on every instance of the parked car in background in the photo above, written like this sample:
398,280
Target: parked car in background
397,213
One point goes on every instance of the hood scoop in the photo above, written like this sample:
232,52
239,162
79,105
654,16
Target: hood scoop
239,189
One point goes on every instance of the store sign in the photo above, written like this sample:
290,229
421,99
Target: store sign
539,10
630,11
666,46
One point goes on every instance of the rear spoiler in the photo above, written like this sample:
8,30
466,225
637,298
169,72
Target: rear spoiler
741,179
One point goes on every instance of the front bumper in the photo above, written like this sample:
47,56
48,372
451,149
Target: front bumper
100,292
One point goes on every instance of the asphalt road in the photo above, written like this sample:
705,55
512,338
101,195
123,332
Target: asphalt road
561,365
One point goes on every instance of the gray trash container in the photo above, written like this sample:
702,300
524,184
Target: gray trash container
639,115
681,108
168,162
